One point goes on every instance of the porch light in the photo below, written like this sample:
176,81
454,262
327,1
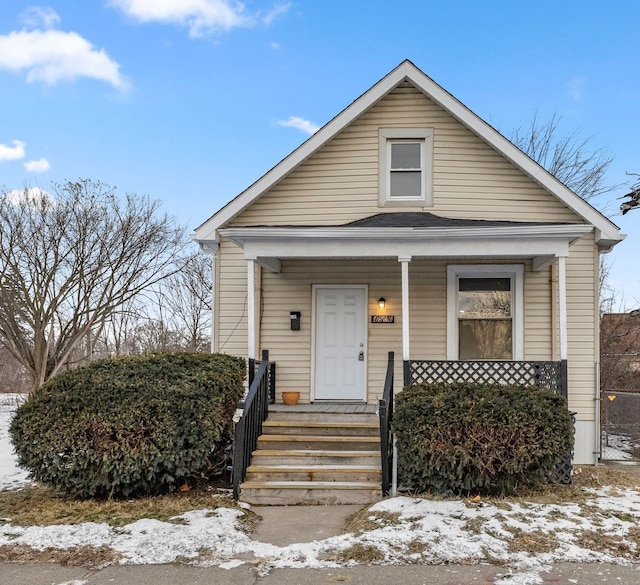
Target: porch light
382,303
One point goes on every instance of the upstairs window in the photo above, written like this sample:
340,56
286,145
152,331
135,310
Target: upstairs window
406,158
405,173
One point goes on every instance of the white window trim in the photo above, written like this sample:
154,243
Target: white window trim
385,137
513,271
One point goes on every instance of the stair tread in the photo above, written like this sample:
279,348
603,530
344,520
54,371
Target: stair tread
315,452
315,424
326,438
304,468
310,484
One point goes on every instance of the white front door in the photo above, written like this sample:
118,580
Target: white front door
340,343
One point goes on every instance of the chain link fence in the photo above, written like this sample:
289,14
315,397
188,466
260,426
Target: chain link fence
620,418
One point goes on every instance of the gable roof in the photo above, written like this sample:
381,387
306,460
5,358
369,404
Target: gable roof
607,233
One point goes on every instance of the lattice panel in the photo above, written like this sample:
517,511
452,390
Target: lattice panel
546,375
540,374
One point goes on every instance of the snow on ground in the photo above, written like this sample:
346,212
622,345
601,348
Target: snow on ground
617,447
524,537
10,474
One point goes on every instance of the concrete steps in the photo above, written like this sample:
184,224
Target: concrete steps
311,458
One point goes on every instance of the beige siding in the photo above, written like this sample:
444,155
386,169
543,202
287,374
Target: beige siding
582,326
232,300
291,290
339,183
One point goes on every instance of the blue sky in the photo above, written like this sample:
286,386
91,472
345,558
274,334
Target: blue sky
190,101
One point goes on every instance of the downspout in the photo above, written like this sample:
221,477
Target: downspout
597,450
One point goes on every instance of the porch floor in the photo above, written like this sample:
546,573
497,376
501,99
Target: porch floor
326,407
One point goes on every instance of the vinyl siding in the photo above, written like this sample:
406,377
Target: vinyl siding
291,290
338,184
582,325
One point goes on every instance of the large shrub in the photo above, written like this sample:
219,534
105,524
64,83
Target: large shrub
467,438
129,425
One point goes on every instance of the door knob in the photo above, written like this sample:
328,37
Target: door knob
361,356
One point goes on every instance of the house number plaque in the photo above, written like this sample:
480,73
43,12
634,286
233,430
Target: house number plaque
382,318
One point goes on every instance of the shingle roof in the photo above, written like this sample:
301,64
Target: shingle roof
428,220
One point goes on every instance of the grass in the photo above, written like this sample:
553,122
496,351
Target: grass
35,505
83,556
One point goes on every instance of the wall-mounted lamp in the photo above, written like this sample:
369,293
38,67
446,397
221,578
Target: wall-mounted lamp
382,303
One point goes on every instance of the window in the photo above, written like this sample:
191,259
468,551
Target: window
406,156
485,315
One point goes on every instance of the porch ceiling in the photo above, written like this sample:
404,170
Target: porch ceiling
542,243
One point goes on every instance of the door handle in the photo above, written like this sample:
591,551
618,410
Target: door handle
361,356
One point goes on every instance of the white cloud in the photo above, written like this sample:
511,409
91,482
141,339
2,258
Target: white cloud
269,16
51,56
37,166
30,196
300,124
15,152
201,17
36,16
575,88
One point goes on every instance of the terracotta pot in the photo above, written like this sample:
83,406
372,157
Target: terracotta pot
290,398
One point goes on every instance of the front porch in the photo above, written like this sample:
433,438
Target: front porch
342,452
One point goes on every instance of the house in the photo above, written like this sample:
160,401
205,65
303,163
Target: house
408,224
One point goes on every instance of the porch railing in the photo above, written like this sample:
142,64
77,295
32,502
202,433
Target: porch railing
253,411
542,374
385,412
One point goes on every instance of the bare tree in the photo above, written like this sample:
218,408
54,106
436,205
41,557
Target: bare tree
633,196
187,295
69,260
569,158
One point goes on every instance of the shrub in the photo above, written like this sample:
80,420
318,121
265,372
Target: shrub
465,438
130,425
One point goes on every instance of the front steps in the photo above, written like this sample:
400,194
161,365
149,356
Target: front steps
315,458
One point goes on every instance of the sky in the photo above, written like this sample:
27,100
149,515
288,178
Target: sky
191,101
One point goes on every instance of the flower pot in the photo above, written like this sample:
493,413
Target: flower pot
290,398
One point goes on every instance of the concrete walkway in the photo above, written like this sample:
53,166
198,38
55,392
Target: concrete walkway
285,525
560,574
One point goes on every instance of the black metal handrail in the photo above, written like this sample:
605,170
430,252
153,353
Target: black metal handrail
254,410
385,412
542,374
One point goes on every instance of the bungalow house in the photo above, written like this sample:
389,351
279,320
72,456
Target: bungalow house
407,224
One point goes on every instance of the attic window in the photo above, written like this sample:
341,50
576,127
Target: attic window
406,158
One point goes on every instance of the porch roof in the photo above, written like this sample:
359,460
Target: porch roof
408,235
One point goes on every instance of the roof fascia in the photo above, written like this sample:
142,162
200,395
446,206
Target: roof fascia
564,231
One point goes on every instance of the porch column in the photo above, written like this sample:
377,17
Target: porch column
562,306
404,261
251,309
